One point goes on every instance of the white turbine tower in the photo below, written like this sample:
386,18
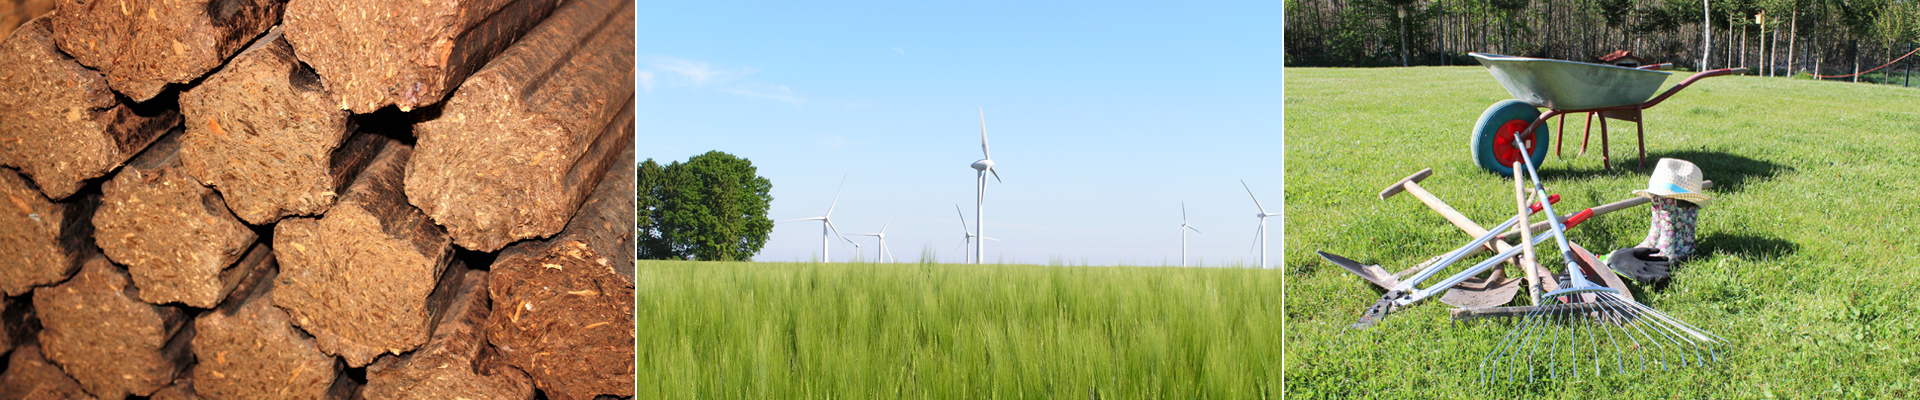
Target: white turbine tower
963,228
983,167
826,222
883,254
1260,235
1184,227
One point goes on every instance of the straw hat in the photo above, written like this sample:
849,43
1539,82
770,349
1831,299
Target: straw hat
1676,179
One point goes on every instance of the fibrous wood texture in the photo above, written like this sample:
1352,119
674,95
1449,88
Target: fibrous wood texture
517,149
112,343
563,307
457,362
376,53
13,13
30,376
249,349
175,236
142,46
359,277
44,241
264,131
62,125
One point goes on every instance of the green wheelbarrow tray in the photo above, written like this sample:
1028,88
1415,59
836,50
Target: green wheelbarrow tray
1568,85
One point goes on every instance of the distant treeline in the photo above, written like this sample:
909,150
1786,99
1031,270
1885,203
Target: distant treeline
1822,36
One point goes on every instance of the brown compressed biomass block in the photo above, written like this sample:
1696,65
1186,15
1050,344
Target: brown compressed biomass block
517,149
374,53
62,126
16,12
43,241
457,362
264,131
112,343
175,236
142,46
30,376
563,307
249,349
359,277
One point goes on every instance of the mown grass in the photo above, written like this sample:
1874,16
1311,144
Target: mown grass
911,331
1807,255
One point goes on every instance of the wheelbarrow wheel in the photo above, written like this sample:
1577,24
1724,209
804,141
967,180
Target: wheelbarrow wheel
1492,139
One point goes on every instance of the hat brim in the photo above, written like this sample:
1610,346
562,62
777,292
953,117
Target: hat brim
1696,198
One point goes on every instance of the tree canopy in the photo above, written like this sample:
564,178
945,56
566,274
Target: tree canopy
713,207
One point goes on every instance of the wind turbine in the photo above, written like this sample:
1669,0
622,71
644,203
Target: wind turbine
983,167
826,222
963,228
1184,227
1260,235
883,253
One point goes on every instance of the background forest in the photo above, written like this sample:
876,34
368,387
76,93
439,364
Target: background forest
1774,37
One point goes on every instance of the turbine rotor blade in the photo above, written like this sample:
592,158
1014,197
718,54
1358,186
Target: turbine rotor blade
996,174
802,219
836,195
963,220
983,134
988,238
1256,239
1256,200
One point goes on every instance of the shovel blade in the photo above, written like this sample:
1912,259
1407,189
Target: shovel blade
1372,273
1480,293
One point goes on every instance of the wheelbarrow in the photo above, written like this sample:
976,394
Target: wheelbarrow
1565,87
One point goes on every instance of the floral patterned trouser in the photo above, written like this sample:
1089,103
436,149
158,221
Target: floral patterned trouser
1672,229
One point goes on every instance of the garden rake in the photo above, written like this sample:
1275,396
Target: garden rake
1582,322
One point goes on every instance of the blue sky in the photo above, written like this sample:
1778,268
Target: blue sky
1102,118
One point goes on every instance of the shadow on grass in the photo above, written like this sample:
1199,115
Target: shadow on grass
1730,173
1757,248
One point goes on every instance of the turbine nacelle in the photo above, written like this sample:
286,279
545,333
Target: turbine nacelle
983,164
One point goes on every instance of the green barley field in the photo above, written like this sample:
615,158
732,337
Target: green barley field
729,330
1808,258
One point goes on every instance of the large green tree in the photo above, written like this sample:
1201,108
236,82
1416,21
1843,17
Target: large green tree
713,207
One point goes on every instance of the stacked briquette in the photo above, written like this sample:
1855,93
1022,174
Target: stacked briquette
258,199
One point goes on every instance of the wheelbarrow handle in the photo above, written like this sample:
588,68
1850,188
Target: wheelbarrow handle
1689,81
1655,67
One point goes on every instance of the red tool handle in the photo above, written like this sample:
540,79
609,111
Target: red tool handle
1555,199
1576,219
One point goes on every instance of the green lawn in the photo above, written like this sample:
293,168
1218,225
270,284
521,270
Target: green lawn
885,331
1807,260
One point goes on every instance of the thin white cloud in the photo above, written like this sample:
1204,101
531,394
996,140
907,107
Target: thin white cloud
697,72
677,71
765,91
898,50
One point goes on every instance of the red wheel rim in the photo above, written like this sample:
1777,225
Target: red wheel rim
1503,149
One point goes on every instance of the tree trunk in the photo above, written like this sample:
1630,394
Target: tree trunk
1706,34
1793,34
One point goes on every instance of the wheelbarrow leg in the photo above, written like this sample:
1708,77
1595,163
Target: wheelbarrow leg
1640,128
1585,138
1606,157
1560,137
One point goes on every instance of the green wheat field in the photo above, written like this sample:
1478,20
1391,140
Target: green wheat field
1808,259
948,331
